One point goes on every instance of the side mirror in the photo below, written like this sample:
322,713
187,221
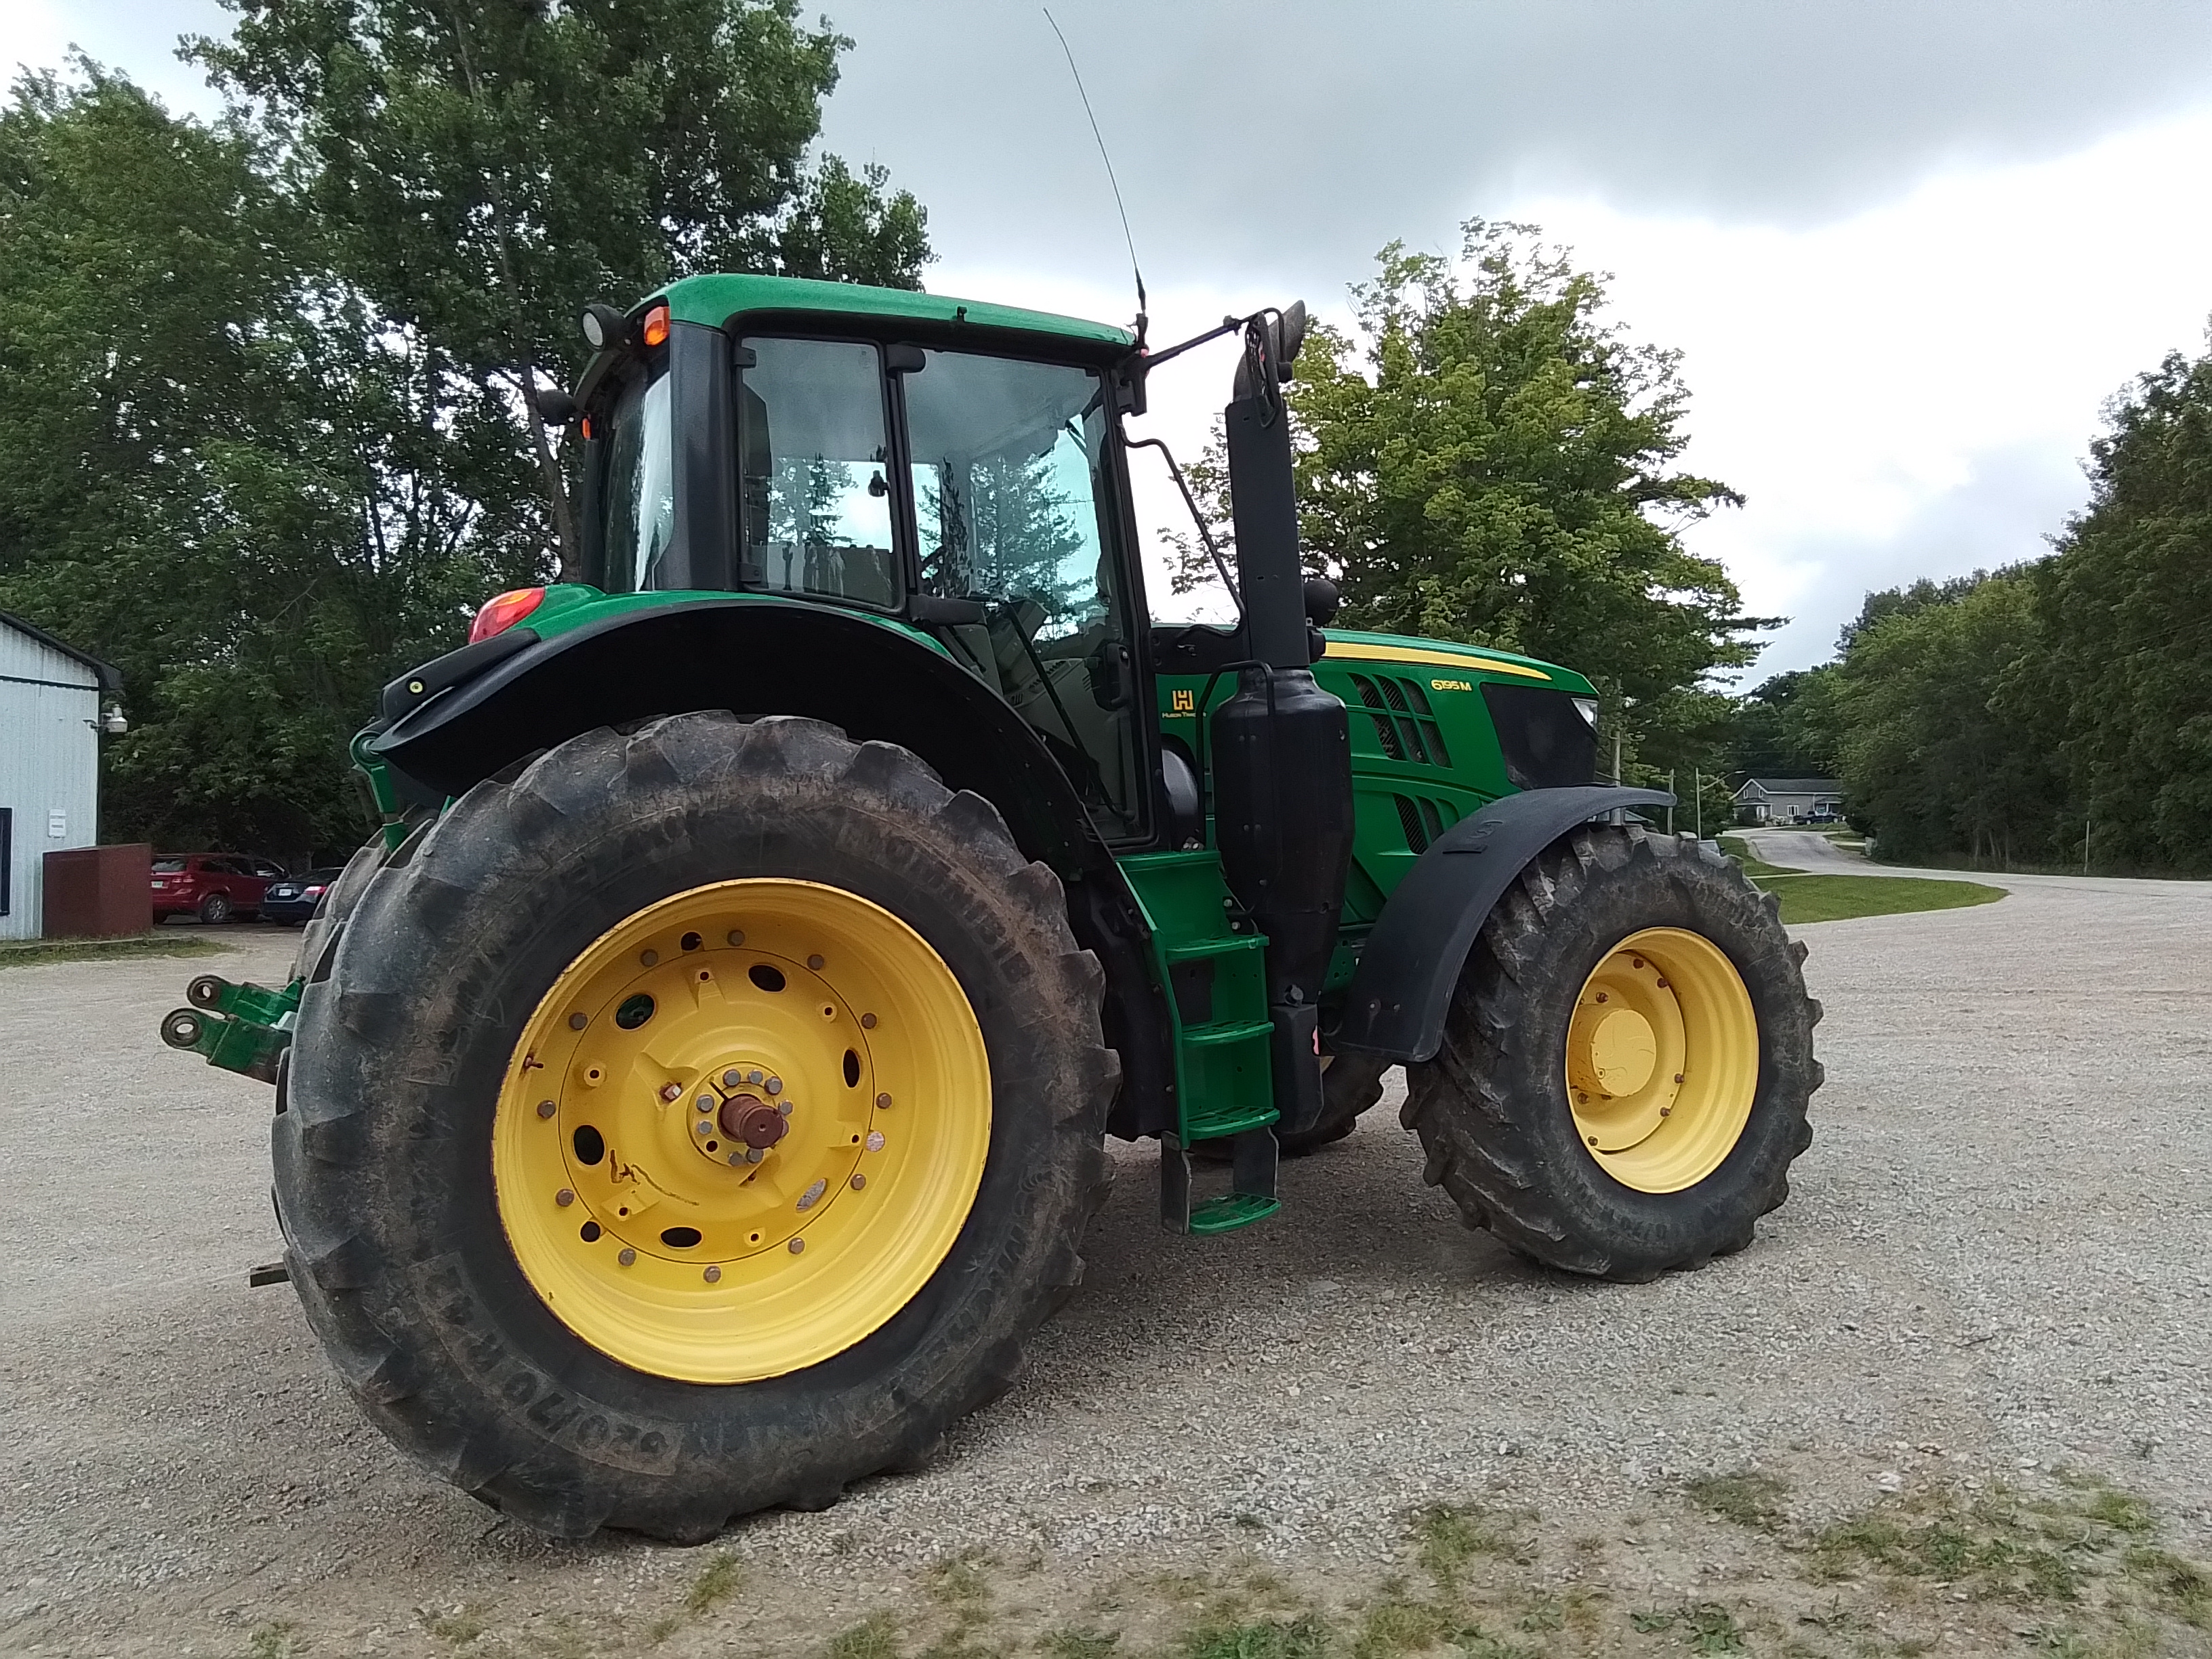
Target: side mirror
555,406
1324,601
1289,334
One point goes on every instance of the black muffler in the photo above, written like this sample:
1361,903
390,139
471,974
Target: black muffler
1281,747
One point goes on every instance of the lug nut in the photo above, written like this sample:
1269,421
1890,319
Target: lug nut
546,1108
798,1245
670,1092
875,1140
578,1022
755,1075
776,1085
883,1102
737,1157
859,1181
648,957
867,1022
706,1125
815,963
783,1108
564,1198
755,1154
628,1258
737,936
730,1079
714,1273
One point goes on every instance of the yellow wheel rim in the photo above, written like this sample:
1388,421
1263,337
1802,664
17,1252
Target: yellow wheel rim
742,1130
1662,1060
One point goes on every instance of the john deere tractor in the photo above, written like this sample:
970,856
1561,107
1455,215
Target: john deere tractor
694,1098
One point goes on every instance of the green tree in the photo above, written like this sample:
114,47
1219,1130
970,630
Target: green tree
216,469
1494,463
1937,757
2128,601
483,169
1787,727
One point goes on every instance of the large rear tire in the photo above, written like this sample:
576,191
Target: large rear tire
1627,1061
700,900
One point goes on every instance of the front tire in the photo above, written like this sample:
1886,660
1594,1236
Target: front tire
472,1263
214,909
1627,1061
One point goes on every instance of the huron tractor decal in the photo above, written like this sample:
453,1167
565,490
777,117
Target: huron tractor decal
693,1099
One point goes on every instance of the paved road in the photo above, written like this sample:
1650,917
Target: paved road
1995,1249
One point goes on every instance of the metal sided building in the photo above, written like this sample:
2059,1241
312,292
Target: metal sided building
50,712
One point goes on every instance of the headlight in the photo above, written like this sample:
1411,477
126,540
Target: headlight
1587,708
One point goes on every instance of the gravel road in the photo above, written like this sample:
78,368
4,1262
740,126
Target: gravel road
1993,1259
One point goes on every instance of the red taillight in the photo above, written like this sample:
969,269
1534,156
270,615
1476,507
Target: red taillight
656,326
502,613
310,892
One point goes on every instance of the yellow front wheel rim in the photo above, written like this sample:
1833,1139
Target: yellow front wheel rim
742,1130
1662,1060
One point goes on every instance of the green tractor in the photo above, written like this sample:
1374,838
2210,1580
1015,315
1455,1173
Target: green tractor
694,1099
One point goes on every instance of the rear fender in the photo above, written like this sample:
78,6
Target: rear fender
757,656
1396,1005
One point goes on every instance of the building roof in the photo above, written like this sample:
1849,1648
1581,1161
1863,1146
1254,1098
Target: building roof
1793,785
110,676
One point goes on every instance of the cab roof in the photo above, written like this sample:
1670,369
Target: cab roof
714,300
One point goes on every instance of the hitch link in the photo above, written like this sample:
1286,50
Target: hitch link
241,1028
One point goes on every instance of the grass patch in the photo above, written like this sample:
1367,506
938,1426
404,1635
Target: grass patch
875,1637
280,1639
1300,1639
1754,867
1700,1626
716,1582
1839,898
460,1626
31,953
1750,1498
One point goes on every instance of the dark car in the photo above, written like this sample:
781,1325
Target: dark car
293,899
213,886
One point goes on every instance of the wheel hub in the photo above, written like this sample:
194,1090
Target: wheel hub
1663,1059
723,1159
751,1120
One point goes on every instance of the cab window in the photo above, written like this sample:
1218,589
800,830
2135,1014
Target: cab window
814,489
640,485
1008,476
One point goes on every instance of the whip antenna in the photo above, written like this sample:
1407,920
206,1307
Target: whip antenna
1118,207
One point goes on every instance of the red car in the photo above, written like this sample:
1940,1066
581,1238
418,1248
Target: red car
213,886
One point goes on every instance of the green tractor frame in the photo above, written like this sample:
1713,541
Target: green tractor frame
694,1099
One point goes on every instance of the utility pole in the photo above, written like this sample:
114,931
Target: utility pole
2089,823
1616,759
1698,801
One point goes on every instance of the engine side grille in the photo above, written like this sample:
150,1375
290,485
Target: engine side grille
1404,725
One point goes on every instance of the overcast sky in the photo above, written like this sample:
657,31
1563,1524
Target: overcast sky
1908,247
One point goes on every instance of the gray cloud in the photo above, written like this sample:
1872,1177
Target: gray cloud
1299,136
2002,515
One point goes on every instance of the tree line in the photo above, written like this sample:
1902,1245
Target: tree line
266,434
2056,713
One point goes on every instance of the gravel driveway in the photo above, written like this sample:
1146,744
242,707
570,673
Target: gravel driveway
1993,1258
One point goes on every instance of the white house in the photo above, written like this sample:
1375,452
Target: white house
51,698
1787,801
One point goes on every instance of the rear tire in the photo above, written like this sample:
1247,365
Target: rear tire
1493,1110
1352,1084
410,1050
214,909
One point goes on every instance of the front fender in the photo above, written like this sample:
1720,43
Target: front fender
1396,1005
753,656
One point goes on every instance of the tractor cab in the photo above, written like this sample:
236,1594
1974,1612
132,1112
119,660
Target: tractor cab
958,474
